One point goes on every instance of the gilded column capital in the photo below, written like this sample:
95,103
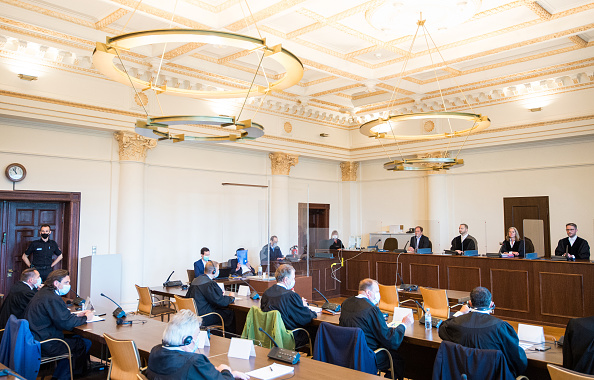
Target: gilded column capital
132,146
281,163
349,170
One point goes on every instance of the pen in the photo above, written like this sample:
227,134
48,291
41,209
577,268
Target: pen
101,315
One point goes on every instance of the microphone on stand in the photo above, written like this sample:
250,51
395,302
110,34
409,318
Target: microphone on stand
121,321
254,295
119,312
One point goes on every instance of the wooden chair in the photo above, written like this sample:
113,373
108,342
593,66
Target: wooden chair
125,361
191,275
391,244
388,297
558,373
437,301
141,376
182,303
147,306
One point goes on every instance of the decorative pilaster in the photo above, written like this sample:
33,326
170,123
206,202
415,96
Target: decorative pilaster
281,163
132,146
349,170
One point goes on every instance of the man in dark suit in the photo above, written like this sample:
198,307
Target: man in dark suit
273,248
20,295
419,240
362,311
199,265
573,245
463,242
474,327
292,307
209,298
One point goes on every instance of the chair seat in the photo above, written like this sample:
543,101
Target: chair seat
158,310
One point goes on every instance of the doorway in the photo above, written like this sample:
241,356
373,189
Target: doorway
517,209
318,216
21,214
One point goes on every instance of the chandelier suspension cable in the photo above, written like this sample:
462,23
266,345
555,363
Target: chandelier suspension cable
132,84
253,19
464,143
130,18
251,85
165,46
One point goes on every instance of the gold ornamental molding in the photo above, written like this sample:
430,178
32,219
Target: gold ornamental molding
349,170
280,163
132,146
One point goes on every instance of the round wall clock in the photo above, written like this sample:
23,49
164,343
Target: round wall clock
15,172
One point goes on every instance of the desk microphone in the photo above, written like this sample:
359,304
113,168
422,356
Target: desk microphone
435,322
403,286
121,321
119,312
281,354
254,295
334,307
169,284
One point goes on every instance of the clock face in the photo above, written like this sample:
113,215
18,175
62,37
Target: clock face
15,172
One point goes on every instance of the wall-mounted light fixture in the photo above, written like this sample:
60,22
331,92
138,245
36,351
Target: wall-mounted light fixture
535,109
323,135
27,77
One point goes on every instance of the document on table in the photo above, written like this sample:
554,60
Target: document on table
526,345
271,372
315,309
95,319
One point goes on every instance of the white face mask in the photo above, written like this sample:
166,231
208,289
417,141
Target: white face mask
38,283
377,298
334,237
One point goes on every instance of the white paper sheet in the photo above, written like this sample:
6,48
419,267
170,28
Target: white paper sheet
271,372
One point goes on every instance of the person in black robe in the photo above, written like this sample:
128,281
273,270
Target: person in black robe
176,359
362,311
336,242
48,317
209,298
513,243
19,296
475,327
424,241
460,245
573,245
292,308
578,345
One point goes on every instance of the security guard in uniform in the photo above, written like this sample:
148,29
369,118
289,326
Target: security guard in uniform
43,250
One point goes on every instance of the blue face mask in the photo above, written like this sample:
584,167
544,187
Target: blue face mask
38,283
65,290
206,258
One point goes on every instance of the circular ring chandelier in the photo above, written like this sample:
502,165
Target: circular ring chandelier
153,128
379,128
104,54
423,164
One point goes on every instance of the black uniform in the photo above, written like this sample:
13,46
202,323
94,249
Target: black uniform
48,317
16,302
164,364
209,298
360,312
43,253
580,248
467,244
291,308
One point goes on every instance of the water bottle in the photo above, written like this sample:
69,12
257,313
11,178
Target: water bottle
428,320
260,271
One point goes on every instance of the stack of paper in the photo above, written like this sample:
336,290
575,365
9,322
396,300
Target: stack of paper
271,372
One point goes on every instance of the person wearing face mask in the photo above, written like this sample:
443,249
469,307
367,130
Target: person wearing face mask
273,248
199,265
336,243
362,311
209,298
48,317
176,357
293,308
45,253
20,295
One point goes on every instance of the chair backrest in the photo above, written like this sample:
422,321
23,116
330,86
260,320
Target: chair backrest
145,301
182,303
125,361
191,275
272,323
437,301
558,373
345,347
391,244
388,297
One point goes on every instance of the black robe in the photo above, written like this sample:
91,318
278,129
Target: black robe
164,364
578,345
336,244
209,298
517,247
16,302
360,312
424,242
580,248
484,331
468,244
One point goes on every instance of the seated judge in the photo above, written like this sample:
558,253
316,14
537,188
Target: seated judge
362,311
240,269
209,298
474,327
20,295
463,242
176,357
573,246
336,243
292,307
48,317
513,244
199,265
272,247
419,240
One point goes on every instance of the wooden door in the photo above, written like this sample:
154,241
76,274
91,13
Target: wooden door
515,210
23,220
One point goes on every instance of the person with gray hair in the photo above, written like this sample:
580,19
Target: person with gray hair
176,357
474,327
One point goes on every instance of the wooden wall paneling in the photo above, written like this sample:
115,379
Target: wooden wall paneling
462,277
386,272
510,290
562,294
356,270
330,282
316,282
424,274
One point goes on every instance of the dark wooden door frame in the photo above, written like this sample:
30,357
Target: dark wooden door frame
544,215
71,222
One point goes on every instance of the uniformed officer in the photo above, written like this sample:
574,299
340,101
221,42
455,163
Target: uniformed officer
46,253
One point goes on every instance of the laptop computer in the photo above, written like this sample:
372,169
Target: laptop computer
224,273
